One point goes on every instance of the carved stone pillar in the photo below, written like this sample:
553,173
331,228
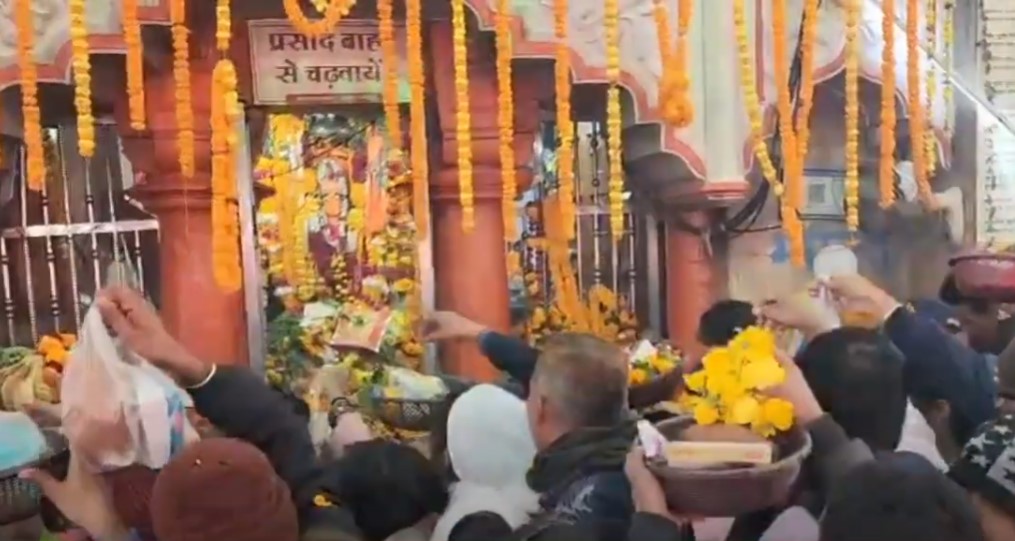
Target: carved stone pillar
689,279
470,268
208,320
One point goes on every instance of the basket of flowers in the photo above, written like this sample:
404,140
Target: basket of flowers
654,374
403,398
738,451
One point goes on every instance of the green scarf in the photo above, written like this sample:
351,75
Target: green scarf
580,452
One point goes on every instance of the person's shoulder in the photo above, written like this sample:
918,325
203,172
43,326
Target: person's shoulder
605,494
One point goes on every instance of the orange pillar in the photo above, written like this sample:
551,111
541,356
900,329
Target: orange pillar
470,268
208,320
689,279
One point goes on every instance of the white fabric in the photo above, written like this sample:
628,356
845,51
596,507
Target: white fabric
515,504
489,441
918,438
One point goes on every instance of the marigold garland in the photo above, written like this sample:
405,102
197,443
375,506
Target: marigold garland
181,81
752,102
886,165
565,126
135,65
792,170
24,19
463,132
225,112
336,10
417,115
675,103
82,68
614,126
506,119
853,115
949,44
389,55
929,138
806,98
915,105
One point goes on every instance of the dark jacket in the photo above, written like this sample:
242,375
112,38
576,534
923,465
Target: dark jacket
241,405
512,356
833,454
940,367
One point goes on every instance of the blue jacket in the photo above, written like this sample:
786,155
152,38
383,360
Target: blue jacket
938,366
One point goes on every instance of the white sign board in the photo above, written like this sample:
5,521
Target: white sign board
344,67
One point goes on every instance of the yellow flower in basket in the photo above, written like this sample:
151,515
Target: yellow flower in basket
729,388
637,376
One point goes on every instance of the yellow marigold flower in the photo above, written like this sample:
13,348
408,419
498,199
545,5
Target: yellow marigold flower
744,411
763,375
662,365
705,413
403,285
637,376
756,341
68,340
778,412
695,382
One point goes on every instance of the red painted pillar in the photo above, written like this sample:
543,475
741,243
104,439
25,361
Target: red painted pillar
689,279
470,268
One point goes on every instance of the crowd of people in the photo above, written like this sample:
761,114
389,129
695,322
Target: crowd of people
912,427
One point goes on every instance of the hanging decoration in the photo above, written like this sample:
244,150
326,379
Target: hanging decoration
752,102
929,139
565,125
949,46
614,120
135,65
463,131
506,119
24,19
389,56
915,98
852,181
886,163
792,170
417,115
225,113
82,69
802,128
181,80
675,103
333,14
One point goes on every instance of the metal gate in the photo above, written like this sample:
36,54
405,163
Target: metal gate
60,245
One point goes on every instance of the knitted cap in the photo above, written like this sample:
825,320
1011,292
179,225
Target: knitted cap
131,490
987,464
221,489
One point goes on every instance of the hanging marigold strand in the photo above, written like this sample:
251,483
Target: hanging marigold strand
463,132
886,164
417,115
752,102
336,10
949,44
675,103
389,55
225,113
506,119
24,19
614,126
929,138
792,170
852,180
82,68
565,126
181,81
806,98
135,65
915,105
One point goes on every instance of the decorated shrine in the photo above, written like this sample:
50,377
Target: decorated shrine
321,173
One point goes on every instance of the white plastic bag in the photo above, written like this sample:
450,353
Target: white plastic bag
118,409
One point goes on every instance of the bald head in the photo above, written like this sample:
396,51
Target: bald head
584,380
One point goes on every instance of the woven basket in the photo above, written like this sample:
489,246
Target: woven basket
728,492
19,499
655,390
408,414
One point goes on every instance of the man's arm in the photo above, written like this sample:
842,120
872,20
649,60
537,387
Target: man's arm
511,355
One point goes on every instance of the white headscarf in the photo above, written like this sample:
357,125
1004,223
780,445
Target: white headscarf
491,450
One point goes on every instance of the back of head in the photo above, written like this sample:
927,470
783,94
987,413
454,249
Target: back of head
899,496
723,321
219,489
388,486
495,454
857,376
585,379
